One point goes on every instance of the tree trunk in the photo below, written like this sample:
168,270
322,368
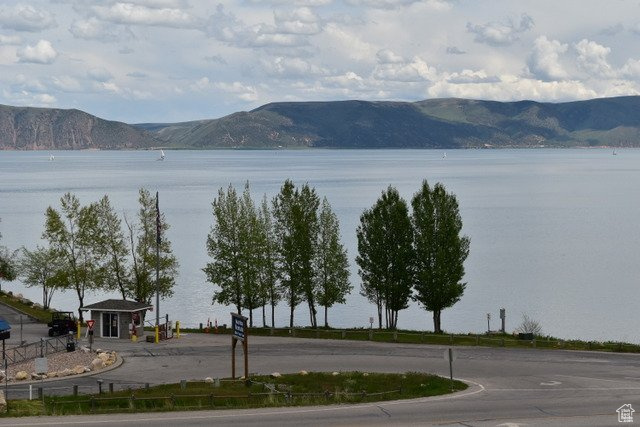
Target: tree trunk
81,299
273,315
326,322
436,322
291,316
251,317
264,315
379,316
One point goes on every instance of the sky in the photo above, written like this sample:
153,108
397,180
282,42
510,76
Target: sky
177,60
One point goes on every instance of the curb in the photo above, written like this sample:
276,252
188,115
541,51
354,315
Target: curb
119,361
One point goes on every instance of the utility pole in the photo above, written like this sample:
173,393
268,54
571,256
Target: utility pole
158,229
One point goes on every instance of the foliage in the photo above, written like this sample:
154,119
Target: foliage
440,250
72,234
41,267
529,326
385,256
268,270
113,249
143,240
332,265
7,265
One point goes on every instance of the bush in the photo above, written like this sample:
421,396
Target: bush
529,326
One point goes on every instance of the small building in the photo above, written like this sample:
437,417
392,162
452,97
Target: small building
117,318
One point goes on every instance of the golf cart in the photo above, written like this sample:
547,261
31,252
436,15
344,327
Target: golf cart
62,322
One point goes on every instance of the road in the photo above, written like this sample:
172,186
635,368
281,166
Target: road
519,386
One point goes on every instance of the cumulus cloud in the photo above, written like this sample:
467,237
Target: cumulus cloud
299,21
544,61
386,56
346,80
42,53
99,75
95,29
286,67
500,34
387,4
137,14
471,76
592,58
415,70
244,92
453,50
26,18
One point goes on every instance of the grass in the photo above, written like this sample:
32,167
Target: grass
40,314
420,337
315,388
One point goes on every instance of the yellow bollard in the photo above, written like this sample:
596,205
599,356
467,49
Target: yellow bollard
178,328
79,327
157,334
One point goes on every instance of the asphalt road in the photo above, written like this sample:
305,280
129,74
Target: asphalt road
518,386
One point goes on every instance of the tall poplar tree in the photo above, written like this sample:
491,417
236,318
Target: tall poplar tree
41,267
113,246
268,269
332,265
440,250
224,247
71,233
385,256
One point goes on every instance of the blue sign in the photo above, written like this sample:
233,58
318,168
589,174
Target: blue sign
4,325
238,325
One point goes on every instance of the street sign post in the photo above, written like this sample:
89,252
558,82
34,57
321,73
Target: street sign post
239,333
90,324
450,356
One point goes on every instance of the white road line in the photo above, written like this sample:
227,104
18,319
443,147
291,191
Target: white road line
69,419
589,378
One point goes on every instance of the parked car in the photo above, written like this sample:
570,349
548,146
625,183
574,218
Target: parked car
62,322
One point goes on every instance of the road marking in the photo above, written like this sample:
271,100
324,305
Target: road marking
163,417
589,378
551,383
546,390
511,425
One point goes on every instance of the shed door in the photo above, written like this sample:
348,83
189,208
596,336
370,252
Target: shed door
110,325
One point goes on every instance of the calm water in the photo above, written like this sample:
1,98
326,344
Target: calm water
554,233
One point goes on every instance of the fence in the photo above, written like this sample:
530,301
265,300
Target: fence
40,348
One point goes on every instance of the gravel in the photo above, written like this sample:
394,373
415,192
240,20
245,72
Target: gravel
55,362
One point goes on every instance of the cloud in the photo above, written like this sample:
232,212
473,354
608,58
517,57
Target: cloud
26,18
544,61
385,56
94,29
67,84
42,53
137,75
243,92
416,70
285,67
9,40
592,58
216,59
387,4
612,30
298,21
470,76
453,50
99,75
135,14
500,34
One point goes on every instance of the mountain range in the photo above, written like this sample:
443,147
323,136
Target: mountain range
434,123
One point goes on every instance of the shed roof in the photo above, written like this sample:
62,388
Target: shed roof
117,305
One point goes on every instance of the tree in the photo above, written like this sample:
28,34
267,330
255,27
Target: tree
268,271
142,245
251,239
332,265
7,265
41,268
71,234
440,250
295,215
113,248
385,256
223,246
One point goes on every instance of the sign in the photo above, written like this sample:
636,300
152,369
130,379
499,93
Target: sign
238,326
90,324
41,365
454,354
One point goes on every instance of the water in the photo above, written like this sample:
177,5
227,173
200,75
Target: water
554,233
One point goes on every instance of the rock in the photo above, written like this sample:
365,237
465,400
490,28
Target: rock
2,375
335,373
276,375
65,372
304,373
87,369
103,356
52,374
19,296
22,375
3,403
208,380
84,349
35,376
96,364
366,374
78,369
98,350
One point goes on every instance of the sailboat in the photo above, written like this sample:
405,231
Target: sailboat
614,152
51,158
444,155
161,155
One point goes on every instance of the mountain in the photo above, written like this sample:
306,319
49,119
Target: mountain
437,123
25,128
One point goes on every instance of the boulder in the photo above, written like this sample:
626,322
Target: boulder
366,374
87,369
208,380
84,349
304,372
96,364
22,375
52,374
276,375
2,375
78,369
335,373
103,356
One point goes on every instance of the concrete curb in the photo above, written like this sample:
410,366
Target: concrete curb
119,361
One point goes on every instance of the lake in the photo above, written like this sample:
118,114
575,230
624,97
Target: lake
554,233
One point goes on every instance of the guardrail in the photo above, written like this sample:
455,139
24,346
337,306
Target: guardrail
36,349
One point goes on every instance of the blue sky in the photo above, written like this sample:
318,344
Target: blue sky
177,60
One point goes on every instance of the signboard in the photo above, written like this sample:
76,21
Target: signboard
41,365
90,324
238,326
450,355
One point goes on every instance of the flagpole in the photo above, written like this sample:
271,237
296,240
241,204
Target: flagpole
158,228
